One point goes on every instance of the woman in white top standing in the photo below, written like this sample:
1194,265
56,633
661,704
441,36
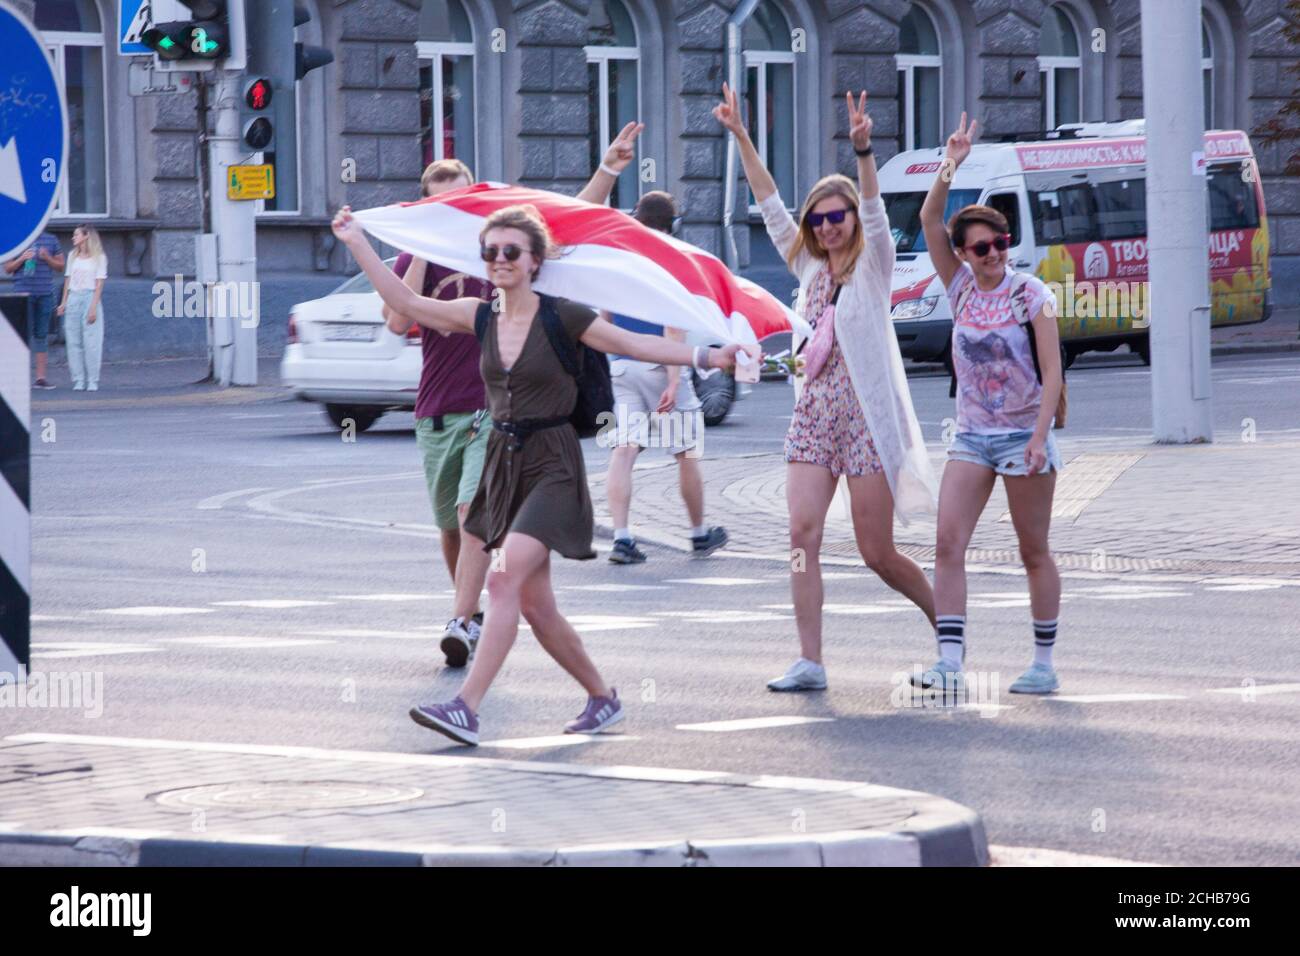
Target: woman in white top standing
854,416
81,308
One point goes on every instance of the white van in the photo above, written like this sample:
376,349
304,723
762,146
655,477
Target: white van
1076,204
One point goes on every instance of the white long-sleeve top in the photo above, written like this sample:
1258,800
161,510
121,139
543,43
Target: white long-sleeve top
866,338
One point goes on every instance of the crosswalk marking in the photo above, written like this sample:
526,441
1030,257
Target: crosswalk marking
155,611
241,643
715,582
48,650
616,588
362,633
555,740
753,723
385,597
724,616
271,604
1258,689
1113,698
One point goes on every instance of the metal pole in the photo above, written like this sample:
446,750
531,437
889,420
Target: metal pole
236,301
1177,226
733,27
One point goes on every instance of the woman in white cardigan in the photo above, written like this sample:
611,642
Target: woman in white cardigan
854,416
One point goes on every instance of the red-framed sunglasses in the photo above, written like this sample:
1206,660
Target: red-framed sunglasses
1001,243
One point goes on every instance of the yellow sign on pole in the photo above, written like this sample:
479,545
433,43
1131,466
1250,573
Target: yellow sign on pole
251,182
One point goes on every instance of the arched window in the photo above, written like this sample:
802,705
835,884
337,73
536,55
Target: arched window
768,91
613,87
919,81
74,37
1060,69
446,53
1207,75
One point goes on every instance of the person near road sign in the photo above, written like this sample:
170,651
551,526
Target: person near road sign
449,419
533,496
854,416
34,275
1004,418
82,308
659,402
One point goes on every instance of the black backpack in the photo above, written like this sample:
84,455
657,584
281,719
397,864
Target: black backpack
589,368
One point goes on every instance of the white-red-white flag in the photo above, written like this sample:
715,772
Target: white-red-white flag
610,260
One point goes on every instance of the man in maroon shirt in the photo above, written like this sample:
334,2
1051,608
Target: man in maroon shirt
451,421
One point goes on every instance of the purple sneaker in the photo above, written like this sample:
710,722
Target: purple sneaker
601,712
453,718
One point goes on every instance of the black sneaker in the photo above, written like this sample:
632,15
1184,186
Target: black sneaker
42,383
626,552
706,544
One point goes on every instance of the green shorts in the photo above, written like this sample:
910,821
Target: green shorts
453,462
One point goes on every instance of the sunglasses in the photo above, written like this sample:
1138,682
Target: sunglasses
511,252
815,219
1000,243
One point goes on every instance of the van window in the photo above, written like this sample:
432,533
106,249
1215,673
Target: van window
904,211
1232,199
1009,205
1122,208
1065,214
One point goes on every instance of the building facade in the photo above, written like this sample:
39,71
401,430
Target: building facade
529,91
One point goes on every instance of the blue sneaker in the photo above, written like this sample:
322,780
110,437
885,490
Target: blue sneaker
600,712
1039,679
944,673
453,719
625,551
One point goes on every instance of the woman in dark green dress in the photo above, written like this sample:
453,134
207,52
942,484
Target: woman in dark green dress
533,496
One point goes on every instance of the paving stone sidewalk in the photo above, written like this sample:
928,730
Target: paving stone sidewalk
70,800
1121,506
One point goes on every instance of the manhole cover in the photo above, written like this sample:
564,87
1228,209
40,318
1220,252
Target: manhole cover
287,795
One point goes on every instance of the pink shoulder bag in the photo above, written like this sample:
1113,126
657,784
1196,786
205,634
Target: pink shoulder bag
819,347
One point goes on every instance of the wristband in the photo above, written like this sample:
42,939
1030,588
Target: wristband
701,360
863,152
606,169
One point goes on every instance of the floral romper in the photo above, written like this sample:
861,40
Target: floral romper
828,427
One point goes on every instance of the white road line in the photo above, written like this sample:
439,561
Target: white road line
67,649
241,643
154,611
216,501
605,622
274,604
1258,689
362,634
1038,856
1243,587
615,588
385,597
556,740
45,618
373,756
715,582
1113,698
725,616
753,723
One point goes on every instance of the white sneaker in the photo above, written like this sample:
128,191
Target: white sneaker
78,387
475,631
92,388
456,643
802,675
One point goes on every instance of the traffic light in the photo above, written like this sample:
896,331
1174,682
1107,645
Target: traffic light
215,33
256,129
307,58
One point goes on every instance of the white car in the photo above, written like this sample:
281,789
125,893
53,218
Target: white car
341,354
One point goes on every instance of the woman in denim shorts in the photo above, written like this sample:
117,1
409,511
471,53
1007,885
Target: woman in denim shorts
1004,419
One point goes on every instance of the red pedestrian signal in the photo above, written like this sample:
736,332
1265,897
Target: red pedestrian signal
258,94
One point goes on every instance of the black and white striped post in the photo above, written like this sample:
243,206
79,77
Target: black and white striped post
15,495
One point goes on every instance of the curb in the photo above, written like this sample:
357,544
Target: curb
1249,348
936,831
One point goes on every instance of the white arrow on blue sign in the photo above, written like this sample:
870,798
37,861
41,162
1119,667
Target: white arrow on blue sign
33,134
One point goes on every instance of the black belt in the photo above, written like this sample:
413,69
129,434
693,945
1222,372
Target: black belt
522,429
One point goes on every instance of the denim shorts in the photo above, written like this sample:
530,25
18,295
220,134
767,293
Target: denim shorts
1005,454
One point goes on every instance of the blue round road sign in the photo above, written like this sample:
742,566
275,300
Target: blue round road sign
33,134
